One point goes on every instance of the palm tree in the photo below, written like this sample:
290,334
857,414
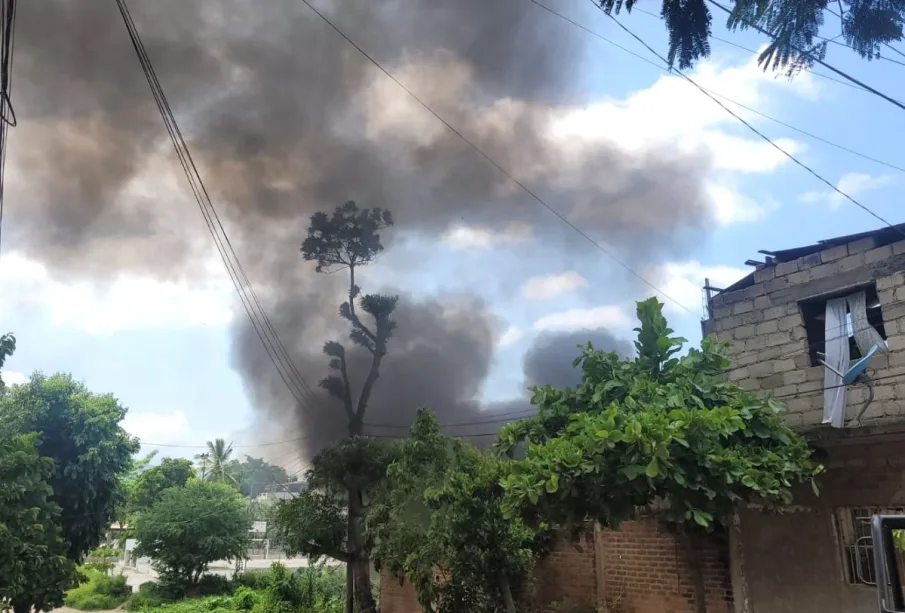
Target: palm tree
217,461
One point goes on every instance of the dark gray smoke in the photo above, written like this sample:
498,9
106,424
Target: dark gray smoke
549,361
285,118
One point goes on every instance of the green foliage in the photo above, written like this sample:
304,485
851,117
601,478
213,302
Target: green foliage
191,526
216,464
350,237
80,432
440,507
656,428
98,592
7,348
34,571
254,475
150,483
244,599
794,26
314,523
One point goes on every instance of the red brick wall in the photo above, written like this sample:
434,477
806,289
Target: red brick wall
643,571
647,571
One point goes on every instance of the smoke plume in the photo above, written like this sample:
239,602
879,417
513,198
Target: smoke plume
285,118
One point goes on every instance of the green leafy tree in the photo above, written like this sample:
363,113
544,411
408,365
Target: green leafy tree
217,462
127,485
189,527
440,507
34,570
171,472
347,240
255,475
794,26
316,522
7,348
81,433
656,428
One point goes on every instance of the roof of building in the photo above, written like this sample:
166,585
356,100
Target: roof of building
883,236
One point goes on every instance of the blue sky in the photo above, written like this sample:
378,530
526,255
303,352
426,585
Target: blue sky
163,347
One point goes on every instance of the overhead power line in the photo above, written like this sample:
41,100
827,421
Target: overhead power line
823,63
270,340
7,113
494,163
667,70
748,125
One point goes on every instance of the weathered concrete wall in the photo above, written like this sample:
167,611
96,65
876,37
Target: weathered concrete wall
764,323
793,561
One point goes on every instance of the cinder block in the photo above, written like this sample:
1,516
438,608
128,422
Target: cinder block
756,343
823,271
745,306
784,365
778,338
794,377
771,383
743,332
761,369
764,274
894,280
860,246
768,326
809,261
851,262
802,276
775,312
898,248
786,268
878,255
722,312
833,253
896,343
762,302
789,321
738,374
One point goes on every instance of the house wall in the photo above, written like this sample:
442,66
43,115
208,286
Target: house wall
793,560
769,344
636,569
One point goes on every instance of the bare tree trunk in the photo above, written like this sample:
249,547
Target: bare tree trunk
350,586
692,544
507,593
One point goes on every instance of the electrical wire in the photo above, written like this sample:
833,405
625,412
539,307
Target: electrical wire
270,340
667,70
7,113
748,124
841,73
493,162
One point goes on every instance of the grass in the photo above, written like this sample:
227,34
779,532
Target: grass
98,591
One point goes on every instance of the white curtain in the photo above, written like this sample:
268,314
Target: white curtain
837,357
866,336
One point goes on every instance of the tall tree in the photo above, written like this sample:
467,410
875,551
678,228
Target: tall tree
7,348
34,570
794,26
151,483
657,429
255,475
81,433
217,465
347,240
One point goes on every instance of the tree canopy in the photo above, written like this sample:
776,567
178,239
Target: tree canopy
656,428
255,475
189,527
80,432
216,462
440,507
151,483
34,570
794,27
7,348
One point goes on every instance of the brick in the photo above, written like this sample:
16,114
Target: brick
891,280
893,311
834,253
764,273
823,271
784,365
896,359
762,302
760,369
768,326
771,382
775,312
777,338
786,390
887,296
789,321
743,332
777,284
896,343
878,255
755,343
742,307
809,261
803,276
861,245
898,248
900,294
794,377
851,262
786,268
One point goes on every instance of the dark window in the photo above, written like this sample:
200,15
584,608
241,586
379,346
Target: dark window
814,314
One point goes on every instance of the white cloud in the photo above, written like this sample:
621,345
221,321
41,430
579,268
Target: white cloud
684,282
577,319
853,184
11,377
543,288
167,428
511,336
467,237
128,302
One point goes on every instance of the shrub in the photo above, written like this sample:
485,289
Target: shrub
212,585
256,580
98,592
244,599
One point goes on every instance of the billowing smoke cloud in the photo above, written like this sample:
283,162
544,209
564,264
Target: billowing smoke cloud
285,118
549,361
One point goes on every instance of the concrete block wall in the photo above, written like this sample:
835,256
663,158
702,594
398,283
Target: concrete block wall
648,571
764,324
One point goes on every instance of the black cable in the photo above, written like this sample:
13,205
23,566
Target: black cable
727,98
493,162
263,327
748,125
841,73
7,113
